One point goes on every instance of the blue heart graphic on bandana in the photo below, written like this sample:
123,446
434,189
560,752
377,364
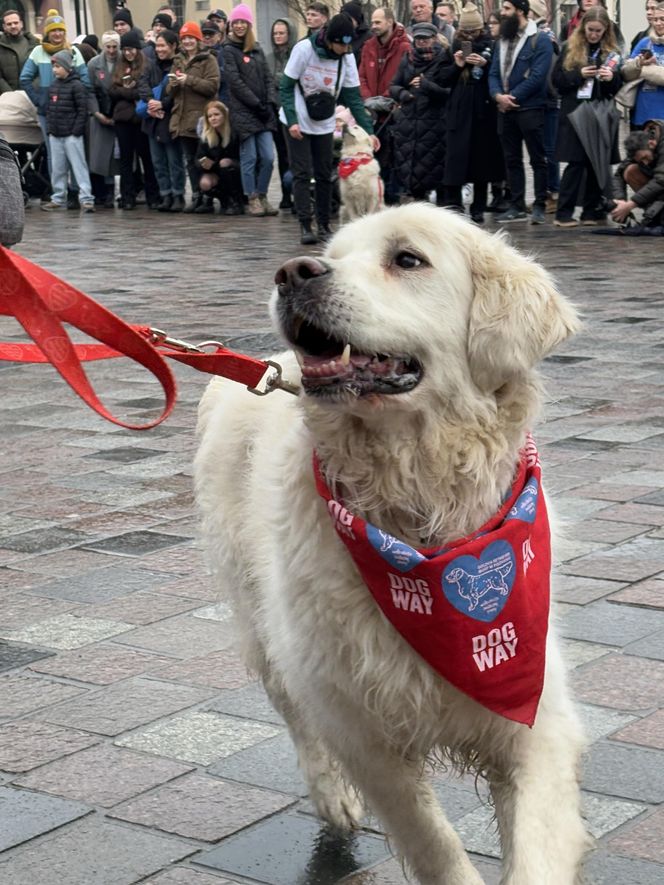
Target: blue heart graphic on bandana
398,554
481,587
525,506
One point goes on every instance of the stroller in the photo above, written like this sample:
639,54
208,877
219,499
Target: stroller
19,125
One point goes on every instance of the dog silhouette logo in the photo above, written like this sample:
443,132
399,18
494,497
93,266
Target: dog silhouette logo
525,506
399,555
480,587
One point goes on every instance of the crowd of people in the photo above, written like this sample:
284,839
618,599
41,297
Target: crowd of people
450,104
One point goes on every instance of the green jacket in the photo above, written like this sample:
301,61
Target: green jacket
13,55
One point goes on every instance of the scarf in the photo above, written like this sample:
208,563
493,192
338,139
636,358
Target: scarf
348,165
477,609
51,49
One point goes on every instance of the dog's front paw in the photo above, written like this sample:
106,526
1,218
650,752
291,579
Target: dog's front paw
335,801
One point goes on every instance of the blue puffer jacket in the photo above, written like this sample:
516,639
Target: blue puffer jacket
528,80
37,75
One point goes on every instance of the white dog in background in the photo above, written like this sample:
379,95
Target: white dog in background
423,445
360,184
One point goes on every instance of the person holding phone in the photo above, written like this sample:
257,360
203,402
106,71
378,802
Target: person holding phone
646,65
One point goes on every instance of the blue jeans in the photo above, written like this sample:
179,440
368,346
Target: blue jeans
69,150
168,167
256,161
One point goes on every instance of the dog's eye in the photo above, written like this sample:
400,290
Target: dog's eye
407,260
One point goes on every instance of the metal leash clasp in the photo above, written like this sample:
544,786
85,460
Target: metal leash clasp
275,382
158,336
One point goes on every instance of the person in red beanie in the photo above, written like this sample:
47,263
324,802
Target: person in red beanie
192,83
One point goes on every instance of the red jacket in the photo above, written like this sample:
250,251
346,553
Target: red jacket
379,64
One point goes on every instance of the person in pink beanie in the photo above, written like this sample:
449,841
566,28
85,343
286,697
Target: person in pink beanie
243,13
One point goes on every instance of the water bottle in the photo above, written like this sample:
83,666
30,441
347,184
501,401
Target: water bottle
476,72
612,61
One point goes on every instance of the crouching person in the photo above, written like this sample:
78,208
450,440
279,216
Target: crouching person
66,116
643,171
218,158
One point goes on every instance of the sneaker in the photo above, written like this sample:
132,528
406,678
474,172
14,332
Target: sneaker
88,207
51,206
512,214
537,215
565,222
268,208
551,205
255,207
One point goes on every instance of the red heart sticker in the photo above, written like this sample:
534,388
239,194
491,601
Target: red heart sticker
327,80
246,59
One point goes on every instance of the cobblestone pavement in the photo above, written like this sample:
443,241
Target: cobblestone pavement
133,747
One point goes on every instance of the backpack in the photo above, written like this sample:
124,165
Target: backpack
12,203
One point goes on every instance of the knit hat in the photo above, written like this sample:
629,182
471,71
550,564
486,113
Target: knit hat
53,22
241,13
354,10
538,7
163,19
123,15
340,29
470,18
209,27
91,40
64,58
424,29
110,37
130,40
191,29
522,5
218,13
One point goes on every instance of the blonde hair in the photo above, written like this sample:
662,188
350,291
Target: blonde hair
210,134
577,45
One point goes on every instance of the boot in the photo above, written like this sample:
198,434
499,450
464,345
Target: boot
206,206
325,232
255,207
166,203
196,201
268,208
178,203
234,208
308,237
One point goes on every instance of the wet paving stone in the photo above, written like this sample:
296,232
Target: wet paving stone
650,647
23,694
122,455
99,664
251,703
294,848
25,816
67,631
220,669
648,732
13,656
644,840
182,637
622,682
41,540
187,876
140,608
610,870
649,594
200,807
629,772
100,585
28,744
610,624
136,543
271,764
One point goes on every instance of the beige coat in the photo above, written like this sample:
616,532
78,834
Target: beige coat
189,100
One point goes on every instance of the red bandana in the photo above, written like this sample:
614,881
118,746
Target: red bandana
348,165
477,609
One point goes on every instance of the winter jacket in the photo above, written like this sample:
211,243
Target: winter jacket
152,76
37,75
217,152
253,98
568,147
124,98
278,56
649,103
474,152
380,62
654,189
14,53
189,100
101,137
528,79
419,125
67,110
224,92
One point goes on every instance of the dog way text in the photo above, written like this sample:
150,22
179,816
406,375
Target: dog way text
495,647
410,594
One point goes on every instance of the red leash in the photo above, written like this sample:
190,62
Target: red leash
41,302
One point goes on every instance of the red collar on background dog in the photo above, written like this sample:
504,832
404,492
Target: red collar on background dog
348,165
41,303
477,609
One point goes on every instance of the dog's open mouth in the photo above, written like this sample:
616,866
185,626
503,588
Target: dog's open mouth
332,367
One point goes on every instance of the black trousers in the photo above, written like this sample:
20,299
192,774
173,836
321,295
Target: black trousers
189,148
312,156
515,128
280,137
134,143
571,189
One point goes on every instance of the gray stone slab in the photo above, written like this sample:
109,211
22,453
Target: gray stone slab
26,815
41,540
599,722
101,585
94,852
250,702
182,636
271,764
136,543
650,647
610,624
67,631
609,869
12,656
629,772
294,848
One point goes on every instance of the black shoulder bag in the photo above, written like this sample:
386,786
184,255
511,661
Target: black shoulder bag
321,105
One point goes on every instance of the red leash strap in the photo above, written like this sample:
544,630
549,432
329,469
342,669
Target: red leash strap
40,302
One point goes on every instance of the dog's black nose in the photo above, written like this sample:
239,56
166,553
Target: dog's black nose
296,272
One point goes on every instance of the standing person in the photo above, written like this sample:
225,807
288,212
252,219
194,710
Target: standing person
122,21
651,6
473,152
167,159
193,81
381,56
252,108
421,89
316,16
101,142
283,37
219,17
161,22
584,6
132,140
218,156
518,83
66,116
499,190
422,11
320,73
539,14
362,31
212,40
16,44
582,74
447,15
646,64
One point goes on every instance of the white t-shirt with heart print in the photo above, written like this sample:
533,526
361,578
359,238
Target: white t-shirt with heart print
317,75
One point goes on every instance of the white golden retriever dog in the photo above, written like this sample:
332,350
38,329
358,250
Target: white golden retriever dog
360,184
418,427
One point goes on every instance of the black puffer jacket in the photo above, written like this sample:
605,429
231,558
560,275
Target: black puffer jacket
420,122
67,110
253,96
153,74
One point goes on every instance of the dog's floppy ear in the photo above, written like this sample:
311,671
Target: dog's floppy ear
517,316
